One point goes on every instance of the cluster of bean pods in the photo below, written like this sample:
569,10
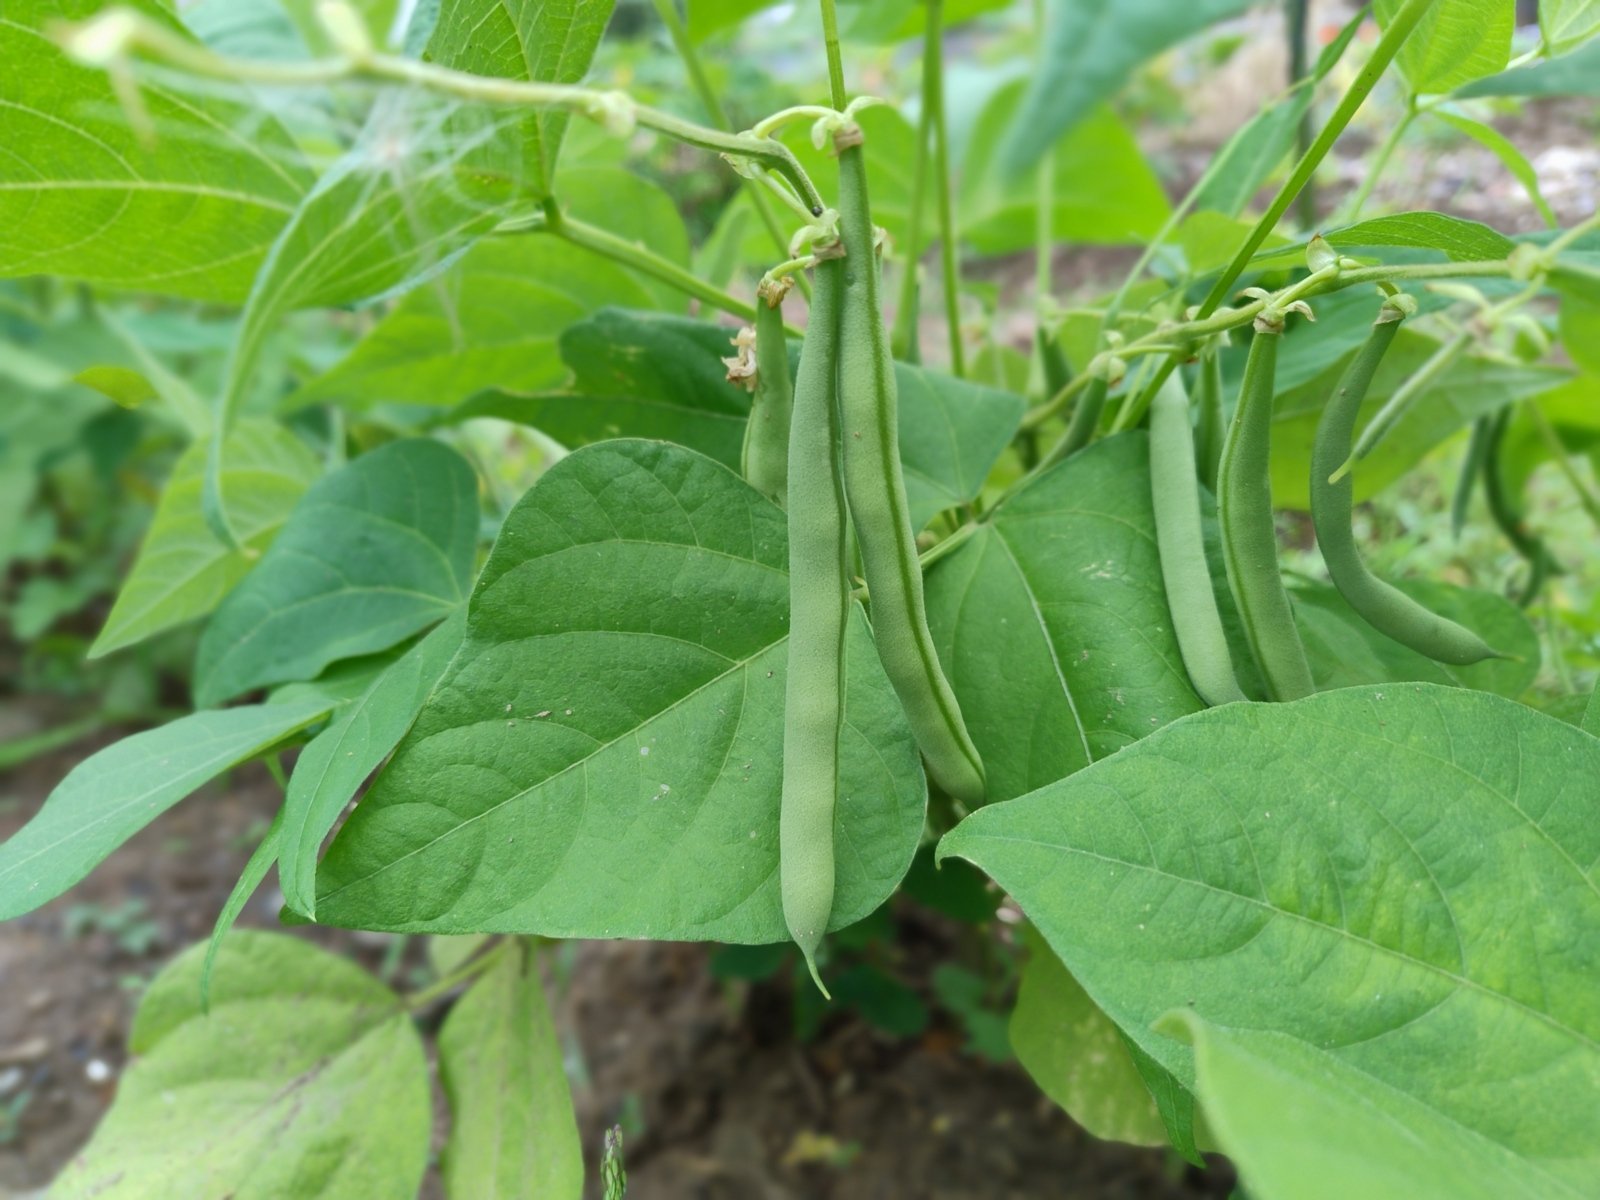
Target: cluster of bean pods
834,464
825,447
1249,541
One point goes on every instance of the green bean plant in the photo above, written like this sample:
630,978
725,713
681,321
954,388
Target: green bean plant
563,612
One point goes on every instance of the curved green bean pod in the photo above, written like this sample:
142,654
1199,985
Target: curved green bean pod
876,490
1404,398
1507,514
1387,609
1249,539
1085,421
1055,370
1175,492
819,613
1467,481
765,458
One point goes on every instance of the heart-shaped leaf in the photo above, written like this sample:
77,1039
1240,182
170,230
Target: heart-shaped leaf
1400,878
641,374
307,1078
1052,622
603,757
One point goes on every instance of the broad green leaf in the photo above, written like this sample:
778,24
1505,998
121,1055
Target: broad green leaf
361,735
1580,332
1248,158
343,681
1455,42
885,21
707,17
1301,1125
183,571
548,41
1209,240
952,432
1077,1056
1345,651
190,213
1052,623
1567,24
1103,191
1506,151
1456,237
602,758
111,795
307,1078
648,375
1091,48
1401,876
491,321
513,1135
635,374
373,553
1470,388
371,224
1591,713
1575,74
1577,279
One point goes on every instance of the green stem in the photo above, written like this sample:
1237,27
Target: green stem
933,97
645,261
667,10
108,39
1295,30
1382,55
830,42
905,320
1587,495
1379,163
465,973
1588,225
1183,334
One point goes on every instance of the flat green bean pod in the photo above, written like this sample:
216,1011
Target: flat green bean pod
819,612
1249,538
765,458
876,489
1383,606
1175,492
